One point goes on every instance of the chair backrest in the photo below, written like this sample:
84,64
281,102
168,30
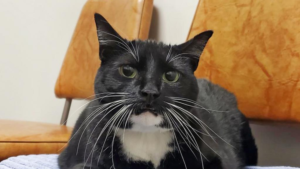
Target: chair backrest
253,53
130,18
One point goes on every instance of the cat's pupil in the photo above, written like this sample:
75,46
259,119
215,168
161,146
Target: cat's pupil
171,76
128,71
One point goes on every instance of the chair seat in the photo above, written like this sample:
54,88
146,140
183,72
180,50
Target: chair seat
21,138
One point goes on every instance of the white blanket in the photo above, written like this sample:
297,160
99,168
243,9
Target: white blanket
50,162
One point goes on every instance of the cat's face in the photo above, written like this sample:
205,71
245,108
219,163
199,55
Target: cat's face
144,81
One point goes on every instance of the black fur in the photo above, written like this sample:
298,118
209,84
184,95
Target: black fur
226,130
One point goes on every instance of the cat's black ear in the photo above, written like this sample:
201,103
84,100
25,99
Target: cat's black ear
195,46
107,36
106,33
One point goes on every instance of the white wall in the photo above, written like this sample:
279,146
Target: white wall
34,36
172,20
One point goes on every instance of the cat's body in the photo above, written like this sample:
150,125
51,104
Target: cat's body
228,123
150,112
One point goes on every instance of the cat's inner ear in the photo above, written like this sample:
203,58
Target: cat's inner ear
194,47
108,38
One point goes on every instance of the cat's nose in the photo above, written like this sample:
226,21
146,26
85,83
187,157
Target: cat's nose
149,95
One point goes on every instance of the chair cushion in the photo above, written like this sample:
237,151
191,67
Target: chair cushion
20,138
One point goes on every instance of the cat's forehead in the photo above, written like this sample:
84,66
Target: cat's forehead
154,44
158,50
150,54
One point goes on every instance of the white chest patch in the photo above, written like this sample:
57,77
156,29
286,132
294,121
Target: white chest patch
145,146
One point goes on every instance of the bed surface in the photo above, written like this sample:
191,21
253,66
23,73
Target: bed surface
50,162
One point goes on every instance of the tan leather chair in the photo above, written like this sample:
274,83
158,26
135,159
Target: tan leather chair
131,18
255,54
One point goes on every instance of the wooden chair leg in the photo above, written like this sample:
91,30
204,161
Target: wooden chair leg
65,114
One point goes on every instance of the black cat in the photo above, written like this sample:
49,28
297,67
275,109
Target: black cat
150,112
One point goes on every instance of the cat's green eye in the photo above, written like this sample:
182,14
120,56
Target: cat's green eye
127,71
171,77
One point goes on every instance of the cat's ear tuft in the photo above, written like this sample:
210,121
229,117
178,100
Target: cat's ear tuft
106,33
195,46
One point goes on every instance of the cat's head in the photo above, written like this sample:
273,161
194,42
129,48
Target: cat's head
143,83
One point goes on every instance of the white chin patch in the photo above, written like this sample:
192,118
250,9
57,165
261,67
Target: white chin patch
146,121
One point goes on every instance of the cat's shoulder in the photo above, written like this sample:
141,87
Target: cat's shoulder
214,93
90,108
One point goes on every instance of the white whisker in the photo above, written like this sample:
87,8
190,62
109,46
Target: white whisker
115,116
169,54
193,117
198,120
180,132
116,128
176,141
178,99
181,54
112,120
111,105
197,135
114,107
